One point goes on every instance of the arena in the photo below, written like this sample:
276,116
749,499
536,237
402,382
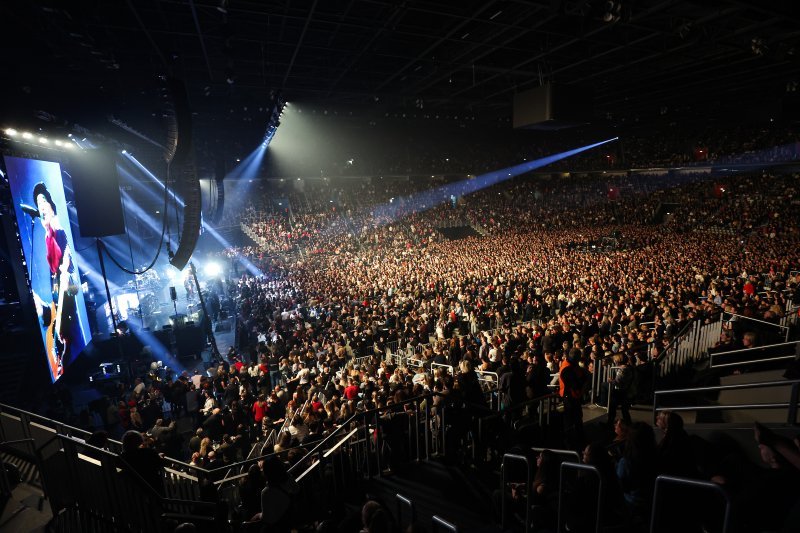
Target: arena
400,266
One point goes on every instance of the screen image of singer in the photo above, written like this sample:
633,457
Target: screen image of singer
37,190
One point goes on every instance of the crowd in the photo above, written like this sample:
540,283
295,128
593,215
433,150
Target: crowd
520,300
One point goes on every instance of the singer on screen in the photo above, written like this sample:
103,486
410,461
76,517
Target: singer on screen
59,316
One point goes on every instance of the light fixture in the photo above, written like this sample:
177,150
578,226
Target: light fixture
26,135
11,132
43,140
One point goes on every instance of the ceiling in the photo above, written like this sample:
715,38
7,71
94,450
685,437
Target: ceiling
634,57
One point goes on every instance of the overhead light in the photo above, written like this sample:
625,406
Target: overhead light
124,152
26,135
58,143
11,132
43,140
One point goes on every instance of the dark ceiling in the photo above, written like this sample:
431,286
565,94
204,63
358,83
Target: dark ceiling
640,57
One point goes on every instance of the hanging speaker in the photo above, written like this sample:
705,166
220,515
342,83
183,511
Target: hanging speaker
173,294
98,203
219,177
180,158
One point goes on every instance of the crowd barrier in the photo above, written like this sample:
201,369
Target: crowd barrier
365,445
573,473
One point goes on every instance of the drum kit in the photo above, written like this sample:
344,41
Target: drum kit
140,296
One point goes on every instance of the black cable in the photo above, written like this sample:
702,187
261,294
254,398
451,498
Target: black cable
160,242
177,214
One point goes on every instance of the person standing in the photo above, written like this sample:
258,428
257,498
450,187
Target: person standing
619,390
571,381
60,317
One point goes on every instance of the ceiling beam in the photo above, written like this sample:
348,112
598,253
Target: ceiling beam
434,45
299,42
486,52
396,13
202,39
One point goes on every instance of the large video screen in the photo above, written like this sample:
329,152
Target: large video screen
47,245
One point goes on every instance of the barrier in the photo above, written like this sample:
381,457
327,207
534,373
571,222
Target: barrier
706,485
688,346
791,405
528,485
780,347
585,468
438,523
402,501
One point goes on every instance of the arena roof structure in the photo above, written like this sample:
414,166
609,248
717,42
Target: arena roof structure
642,57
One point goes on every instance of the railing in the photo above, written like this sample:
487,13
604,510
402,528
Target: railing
564,515
791,405
780,330
403,501
110,498
490,382
686,482
437,523
600,375
503,483
688,346
790,318
16,424
402,356
544,406
715,357
561,521
30,454
446,368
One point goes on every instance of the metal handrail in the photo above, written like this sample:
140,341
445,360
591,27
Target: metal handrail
402,500
661,480
529,479
755,385
528,403
362,414
328,453
791,404
439,522
659,358
442,365
747,350
753,320
558,451
588,468
754,361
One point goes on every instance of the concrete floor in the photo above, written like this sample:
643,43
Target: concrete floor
22,513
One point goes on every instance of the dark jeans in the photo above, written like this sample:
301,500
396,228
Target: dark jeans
619,399
573,423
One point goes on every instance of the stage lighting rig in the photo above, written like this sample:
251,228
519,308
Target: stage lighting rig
274,120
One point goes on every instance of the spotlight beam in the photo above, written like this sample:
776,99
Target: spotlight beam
425,200
250,163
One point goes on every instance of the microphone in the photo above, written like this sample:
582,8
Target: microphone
29,210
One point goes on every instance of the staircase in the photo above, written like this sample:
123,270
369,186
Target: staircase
455,494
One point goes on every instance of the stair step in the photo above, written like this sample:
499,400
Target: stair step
439,490
754,396
29,474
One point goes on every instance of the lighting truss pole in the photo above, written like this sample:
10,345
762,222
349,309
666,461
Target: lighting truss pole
209,331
